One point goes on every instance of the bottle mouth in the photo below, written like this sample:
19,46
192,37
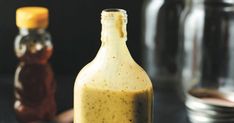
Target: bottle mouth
114,14
114,10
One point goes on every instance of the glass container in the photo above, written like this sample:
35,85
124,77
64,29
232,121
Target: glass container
207,32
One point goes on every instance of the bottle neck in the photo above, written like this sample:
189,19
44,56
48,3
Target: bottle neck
114,36
26,31
113,28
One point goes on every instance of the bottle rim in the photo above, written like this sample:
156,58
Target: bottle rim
113,14
230,2
114,10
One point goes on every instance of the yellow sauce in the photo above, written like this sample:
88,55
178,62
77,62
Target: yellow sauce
113,88
110,106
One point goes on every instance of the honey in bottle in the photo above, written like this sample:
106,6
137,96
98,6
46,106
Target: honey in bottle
33,43
34,82
34,93
113,88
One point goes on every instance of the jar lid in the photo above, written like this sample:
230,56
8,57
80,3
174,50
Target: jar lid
211,110
32,17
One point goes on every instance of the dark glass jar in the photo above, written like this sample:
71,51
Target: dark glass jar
160,55
208,61
160,43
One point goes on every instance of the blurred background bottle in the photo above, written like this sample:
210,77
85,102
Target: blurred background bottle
208,57
34,79
160,56
160,39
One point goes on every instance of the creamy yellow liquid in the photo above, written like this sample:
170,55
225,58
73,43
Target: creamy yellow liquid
114,106
113,88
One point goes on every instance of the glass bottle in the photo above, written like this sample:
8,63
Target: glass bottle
34,80
207,32
113,88
160,51
160,40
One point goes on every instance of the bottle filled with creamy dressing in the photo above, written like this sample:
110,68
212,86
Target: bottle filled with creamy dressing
113,88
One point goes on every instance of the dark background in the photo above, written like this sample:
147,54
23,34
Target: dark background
75,28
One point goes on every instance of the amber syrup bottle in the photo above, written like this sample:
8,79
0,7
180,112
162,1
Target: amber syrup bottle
34,82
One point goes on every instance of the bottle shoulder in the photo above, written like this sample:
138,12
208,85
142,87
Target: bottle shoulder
120,75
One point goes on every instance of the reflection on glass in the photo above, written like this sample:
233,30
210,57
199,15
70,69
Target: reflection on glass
160,46
34,92
208,71
160,52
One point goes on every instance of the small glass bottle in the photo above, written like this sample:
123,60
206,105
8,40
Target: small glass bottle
34,80
113,88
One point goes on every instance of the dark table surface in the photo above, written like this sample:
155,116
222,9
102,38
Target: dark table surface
169,107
